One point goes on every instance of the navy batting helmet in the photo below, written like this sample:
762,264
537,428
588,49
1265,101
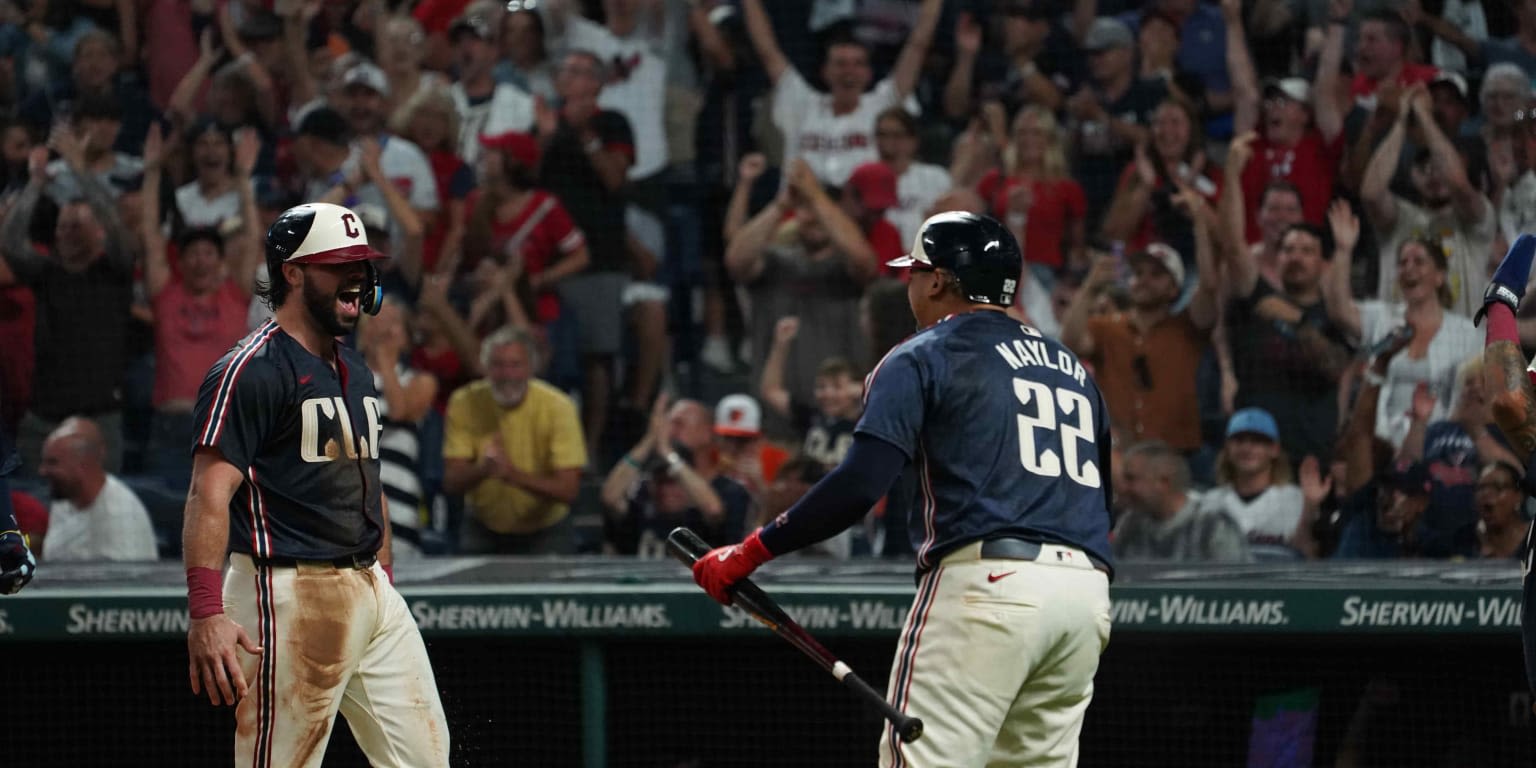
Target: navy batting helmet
979,250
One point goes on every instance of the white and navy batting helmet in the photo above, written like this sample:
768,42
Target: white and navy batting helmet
322,233
979,250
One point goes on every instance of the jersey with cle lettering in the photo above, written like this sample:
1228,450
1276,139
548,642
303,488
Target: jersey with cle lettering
306,437
1008,435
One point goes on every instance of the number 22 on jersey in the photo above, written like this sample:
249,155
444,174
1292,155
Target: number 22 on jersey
1067,410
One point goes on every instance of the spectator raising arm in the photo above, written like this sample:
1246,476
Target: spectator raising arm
957,89
73,147
1342,309
1327,101
748,171
249,249
157,271
775,394
1439,26
1247,99
844,231
1242,273
744,256
1467,200
21,259
1075,332
1380,203
909,64
760,30
1204,305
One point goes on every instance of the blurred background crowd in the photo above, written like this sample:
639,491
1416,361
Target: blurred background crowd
637,250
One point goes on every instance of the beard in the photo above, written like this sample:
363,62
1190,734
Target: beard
322,309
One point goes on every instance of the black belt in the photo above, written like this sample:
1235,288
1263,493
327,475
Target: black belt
355,562
1025,549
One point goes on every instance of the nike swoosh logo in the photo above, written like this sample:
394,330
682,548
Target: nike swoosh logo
305,379
725,554
996,577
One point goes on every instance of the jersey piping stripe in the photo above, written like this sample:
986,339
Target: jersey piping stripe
227,383
903,681
870,379
266,678
930,532
261,533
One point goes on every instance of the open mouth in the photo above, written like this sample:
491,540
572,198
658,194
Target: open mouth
350,301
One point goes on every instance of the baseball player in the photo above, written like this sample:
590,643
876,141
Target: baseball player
1511,384
1010,441
16,561
285,480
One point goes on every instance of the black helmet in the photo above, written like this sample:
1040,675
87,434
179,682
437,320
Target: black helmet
978,249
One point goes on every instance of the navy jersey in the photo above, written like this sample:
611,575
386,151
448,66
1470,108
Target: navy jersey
1007,433
306,437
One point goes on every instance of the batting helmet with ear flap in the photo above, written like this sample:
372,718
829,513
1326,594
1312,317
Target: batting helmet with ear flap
322,233
978,250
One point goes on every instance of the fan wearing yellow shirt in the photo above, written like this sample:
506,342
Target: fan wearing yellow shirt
513,446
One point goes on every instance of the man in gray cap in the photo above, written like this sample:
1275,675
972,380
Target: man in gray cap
1110,111
364,101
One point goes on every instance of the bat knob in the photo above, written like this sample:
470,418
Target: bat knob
910,730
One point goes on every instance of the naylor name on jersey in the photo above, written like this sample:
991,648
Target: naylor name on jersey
321,416
1024,352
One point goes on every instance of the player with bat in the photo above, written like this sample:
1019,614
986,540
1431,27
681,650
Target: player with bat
1511,384
1010,440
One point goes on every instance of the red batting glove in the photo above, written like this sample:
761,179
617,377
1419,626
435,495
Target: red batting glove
719,570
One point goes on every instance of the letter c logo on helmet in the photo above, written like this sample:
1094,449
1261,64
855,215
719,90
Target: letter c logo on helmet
979,250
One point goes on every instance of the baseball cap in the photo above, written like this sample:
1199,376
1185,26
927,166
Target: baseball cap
1454,80
319,233
738,416
1293,88
519,146
368,75
1407,476
1107,33
876,183
1253,421
1167,258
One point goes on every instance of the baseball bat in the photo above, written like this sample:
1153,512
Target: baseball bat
687,547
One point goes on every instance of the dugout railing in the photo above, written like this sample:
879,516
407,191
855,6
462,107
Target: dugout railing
610,662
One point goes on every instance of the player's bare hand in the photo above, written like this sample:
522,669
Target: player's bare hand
786,329
214,665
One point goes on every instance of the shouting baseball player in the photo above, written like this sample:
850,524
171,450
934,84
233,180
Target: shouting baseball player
285,480
1512,386
1010,440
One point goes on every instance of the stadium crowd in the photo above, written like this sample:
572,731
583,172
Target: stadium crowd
637,251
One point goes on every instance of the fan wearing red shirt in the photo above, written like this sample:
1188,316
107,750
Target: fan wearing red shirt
510,219
1292,144
1053,207
869,192
1381,54
199,308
